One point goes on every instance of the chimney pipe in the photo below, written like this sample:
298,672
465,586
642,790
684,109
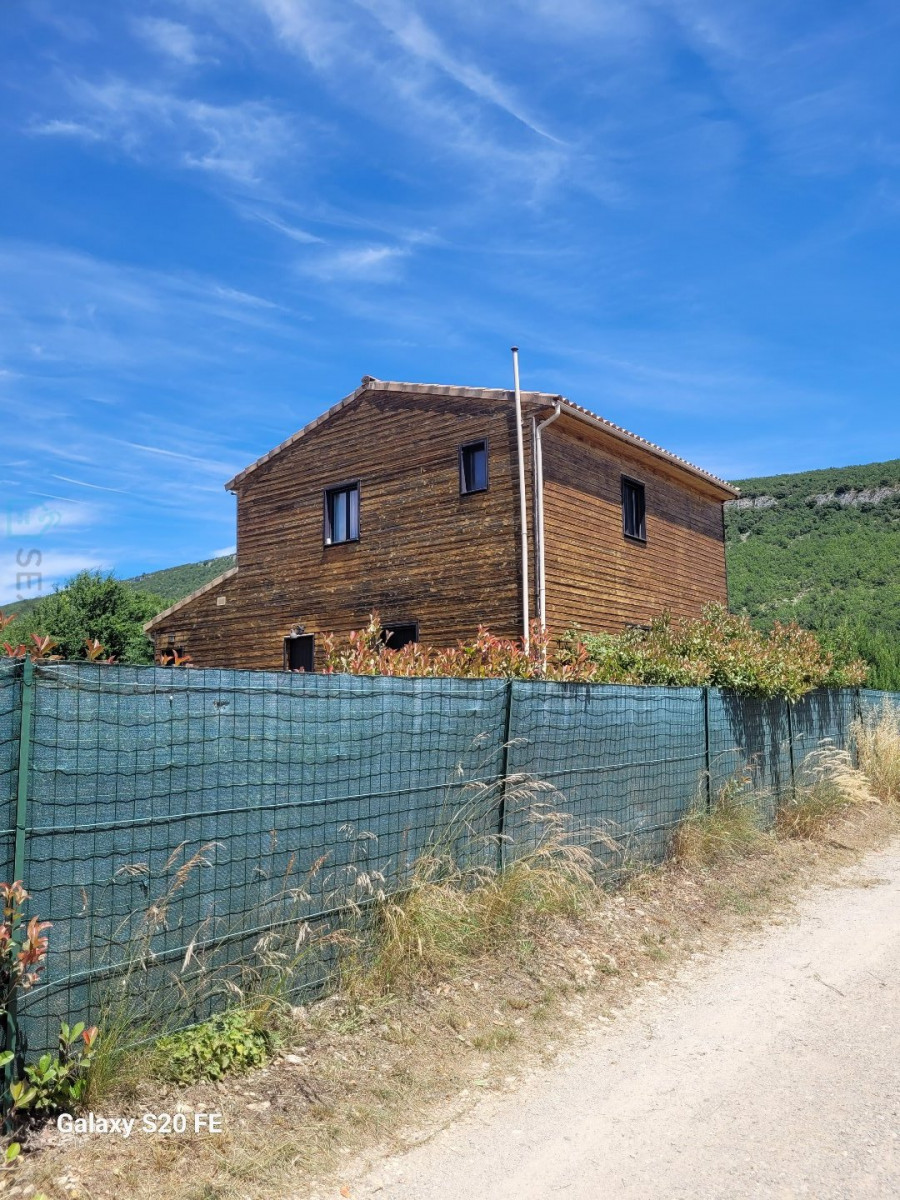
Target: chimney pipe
523,511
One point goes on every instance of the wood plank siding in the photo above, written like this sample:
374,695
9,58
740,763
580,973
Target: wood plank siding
425,553
428,554
596,577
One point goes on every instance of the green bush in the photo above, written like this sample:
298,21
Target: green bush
57,1082
716,650
229,1043
93,607
720,650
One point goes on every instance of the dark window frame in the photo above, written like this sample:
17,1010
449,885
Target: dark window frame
393,626
628,483
463,490
333,490
298,637
170,650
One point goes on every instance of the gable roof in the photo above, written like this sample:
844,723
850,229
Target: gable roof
568,407
200,591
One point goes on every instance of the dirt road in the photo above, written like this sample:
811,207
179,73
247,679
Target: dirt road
769,1070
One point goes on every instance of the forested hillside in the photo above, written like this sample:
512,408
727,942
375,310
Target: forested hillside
819,547
176,582
170,584
823,548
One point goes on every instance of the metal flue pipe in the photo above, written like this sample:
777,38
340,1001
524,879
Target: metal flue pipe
523,509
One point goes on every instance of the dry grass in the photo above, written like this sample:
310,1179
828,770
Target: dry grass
878,747
827,784
450,913
729,830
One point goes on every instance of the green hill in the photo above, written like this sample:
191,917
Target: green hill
823,548
176,582
169,585
818,547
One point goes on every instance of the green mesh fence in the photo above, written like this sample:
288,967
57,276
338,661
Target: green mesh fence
625,763
182,821
872,702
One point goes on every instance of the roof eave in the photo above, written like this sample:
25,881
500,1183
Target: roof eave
369,383
207,587
639,443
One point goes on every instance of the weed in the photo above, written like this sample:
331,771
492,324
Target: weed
58,1082
877,740
450,911
227,1043
827,784
730,829
495,1039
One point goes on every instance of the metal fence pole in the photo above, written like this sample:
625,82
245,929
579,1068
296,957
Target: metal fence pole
504,772
854,725
9,1019
790,724
25,732
706,749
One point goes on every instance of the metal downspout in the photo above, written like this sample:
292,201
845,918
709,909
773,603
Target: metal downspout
539,510
523,510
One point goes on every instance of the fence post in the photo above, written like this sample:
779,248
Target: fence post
790,724
706,749
855,726
504,772
9,1021
25,730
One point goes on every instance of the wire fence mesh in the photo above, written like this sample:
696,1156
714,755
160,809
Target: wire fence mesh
187,813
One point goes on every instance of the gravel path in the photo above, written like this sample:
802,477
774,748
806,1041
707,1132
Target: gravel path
769,1070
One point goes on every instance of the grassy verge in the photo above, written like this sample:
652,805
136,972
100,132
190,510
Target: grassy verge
459,985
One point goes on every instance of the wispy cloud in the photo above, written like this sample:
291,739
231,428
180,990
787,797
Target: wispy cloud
71,129
421,41
97,487
171,38
375,263
799,83
209,465
293,232
38,521
416,84
239,141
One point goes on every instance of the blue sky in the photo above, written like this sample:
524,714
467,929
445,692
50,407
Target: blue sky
217,216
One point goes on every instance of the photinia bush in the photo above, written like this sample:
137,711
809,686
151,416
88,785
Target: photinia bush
717,649
42,647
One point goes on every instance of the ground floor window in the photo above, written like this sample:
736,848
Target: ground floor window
300,653
397,635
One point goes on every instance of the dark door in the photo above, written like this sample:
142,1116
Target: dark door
300,653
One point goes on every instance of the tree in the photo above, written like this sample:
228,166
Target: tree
94,605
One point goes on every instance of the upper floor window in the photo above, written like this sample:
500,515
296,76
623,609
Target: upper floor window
342,514
634,510
473,467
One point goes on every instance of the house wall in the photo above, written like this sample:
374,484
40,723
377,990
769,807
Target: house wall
596,577
447,561
425,552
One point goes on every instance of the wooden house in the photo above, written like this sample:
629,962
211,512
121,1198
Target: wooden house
408,499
